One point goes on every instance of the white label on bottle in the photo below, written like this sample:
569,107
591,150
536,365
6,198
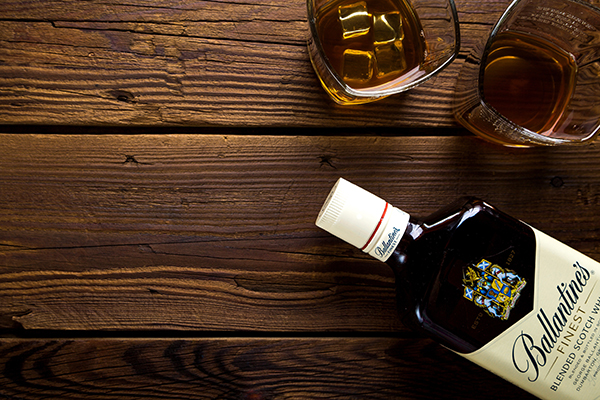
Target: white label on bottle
388,236
554,351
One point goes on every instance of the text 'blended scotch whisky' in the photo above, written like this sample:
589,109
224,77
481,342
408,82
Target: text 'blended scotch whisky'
488,286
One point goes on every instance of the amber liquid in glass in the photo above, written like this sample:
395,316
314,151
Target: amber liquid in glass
364,43
434,266
528,80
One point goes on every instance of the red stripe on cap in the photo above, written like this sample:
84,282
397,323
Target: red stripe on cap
377,227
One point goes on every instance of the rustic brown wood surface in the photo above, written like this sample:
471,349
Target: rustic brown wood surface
169,235
161,169
94,226
162,63
254,369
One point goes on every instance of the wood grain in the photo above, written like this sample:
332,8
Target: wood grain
202,63
212,232
253,369
187,265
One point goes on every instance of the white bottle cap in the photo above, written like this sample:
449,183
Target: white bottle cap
362,219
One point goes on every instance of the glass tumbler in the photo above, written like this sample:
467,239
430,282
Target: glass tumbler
536,81
365,50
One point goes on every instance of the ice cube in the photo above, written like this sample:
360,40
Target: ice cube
355,19
387,28
357,65
389,58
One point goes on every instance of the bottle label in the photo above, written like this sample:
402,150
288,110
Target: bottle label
388,234
554,351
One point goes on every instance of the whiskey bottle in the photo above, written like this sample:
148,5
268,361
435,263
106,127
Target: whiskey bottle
485,285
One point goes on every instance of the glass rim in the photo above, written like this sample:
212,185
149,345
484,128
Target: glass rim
534,137
527,133
371,93
510,8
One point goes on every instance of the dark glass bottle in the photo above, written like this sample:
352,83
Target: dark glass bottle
488,286
430,265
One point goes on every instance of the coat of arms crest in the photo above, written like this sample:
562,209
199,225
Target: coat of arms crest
492,288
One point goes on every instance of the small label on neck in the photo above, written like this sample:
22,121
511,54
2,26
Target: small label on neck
388,235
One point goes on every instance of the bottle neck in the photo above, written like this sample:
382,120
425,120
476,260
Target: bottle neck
387,234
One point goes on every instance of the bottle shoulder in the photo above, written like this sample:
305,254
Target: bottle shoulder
439,266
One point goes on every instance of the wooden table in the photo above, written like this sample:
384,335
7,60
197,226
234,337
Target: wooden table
162,164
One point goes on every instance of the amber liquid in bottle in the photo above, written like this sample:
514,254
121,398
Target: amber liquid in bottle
528,80
370,43
443,289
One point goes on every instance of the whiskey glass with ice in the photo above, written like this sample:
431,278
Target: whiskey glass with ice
365,50
536,81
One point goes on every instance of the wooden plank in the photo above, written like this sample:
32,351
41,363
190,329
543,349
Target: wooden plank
277,368
202,63
211,232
